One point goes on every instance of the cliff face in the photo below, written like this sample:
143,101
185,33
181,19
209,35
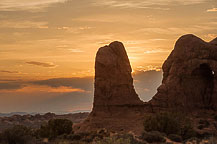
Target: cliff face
189,76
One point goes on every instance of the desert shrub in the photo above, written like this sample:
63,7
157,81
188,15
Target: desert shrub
204,135
187,130
112,140
162,122
119,139
75,137
64,141
43,132
1,138
169,123
215,117
18,134
87,137
203,124
55,127
174,137
153,137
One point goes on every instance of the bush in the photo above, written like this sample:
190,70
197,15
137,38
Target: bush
215,117
162,122
169,123
187,130
119,139
55,127
17,135
174,137
203,124
88,137
153,137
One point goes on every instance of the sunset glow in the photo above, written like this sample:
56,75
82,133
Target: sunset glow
56,39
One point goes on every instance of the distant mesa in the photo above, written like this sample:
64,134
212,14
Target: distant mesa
189,84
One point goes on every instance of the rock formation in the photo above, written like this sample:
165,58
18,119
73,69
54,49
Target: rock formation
189,81
116,104
113,80
189,84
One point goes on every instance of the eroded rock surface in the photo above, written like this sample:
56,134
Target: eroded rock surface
116,105
189,76
113,80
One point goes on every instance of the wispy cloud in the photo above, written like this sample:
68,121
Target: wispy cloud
147,82
212,10
148,68
73,84
47,89
151,4
76,83
156,51
11,85
11,72
76,50
43,64
26,4
177,30
22,24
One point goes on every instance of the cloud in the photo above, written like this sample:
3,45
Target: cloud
11,86
22,24
13,5
47,89
212,10
43,64
58,95
156,51
69,84
147,82
85,83
150,4
10,72
45,99
177,31
65,94
148,68
76,50
26,4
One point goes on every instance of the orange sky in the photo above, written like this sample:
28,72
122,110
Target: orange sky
44,39
58,38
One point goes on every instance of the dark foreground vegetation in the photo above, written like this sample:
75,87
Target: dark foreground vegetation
159,128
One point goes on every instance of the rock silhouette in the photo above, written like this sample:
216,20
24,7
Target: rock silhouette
189,81
113,80
189,85
116,104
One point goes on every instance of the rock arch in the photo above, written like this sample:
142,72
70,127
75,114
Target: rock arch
189,80
188,84
198,86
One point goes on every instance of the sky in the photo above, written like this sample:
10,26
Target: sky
48,47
